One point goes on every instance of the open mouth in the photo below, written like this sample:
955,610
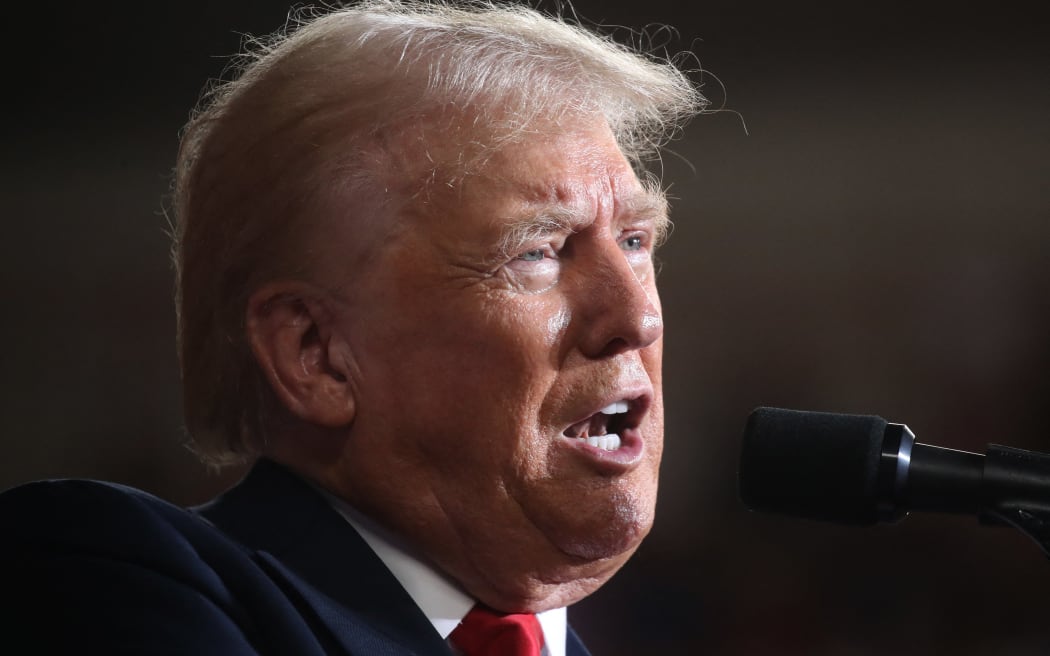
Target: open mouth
603,429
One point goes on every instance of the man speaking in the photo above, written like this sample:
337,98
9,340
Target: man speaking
415,284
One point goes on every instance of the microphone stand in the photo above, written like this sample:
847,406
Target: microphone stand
1018,492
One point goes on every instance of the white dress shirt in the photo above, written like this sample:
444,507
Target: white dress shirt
443,602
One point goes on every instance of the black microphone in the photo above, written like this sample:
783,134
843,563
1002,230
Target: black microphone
861,469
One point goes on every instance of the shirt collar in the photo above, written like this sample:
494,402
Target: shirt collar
441,600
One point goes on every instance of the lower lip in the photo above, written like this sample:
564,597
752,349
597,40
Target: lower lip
619,461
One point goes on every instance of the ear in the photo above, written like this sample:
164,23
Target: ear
290,330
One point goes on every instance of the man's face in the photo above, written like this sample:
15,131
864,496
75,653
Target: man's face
498,340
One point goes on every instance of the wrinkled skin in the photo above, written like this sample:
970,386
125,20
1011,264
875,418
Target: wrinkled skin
470,351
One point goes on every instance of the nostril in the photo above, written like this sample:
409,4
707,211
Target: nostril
616,346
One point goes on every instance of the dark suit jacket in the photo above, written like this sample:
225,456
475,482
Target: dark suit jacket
268,568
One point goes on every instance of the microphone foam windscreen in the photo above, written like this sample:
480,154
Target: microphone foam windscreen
816,465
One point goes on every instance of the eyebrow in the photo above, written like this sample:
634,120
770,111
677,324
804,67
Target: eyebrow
650,204
547,222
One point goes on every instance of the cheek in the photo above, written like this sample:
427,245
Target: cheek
517,339
473,371
557,324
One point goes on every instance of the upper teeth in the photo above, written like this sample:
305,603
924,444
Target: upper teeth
614,408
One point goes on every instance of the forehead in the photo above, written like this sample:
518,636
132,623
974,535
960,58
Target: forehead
578,172
562,165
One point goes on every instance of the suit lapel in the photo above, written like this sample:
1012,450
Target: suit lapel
306,545
573,644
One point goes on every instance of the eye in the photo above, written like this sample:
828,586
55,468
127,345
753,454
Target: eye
533,256
633,243
534,270
636,247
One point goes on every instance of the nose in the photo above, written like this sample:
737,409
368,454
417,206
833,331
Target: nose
618,306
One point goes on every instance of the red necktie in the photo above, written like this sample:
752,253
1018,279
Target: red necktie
484,632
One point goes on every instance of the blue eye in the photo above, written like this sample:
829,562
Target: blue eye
532,256
632,243
535,270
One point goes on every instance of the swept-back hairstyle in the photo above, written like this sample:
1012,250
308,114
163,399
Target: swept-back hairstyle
302,115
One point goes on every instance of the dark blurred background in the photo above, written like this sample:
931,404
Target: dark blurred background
866,231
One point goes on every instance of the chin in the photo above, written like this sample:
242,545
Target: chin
603,521
612,539
563,587
583,551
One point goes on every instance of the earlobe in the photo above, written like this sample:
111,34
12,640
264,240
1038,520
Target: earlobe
290,331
